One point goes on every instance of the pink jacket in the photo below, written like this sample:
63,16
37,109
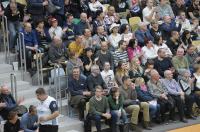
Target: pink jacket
133,52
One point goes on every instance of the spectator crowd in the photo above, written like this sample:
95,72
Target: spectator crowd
116,68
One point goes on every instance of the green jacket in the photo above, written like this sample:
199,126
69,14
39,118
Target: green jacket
113,104
98,107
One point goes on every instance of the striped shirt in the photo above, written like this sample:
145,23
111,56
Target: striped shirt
120,56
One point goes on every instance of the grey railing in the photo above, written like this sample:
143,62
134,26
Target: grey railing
39,67
6,39
22,53
13,83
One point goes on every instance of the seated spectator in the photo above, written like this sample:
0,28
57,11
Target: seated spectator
149,12
149,51
114,37
55,30
174,42
118,113
132,105
57,51
77,46
8,102
29,121
83,24
135,69
99,37
180,61
148,67
59,14
14,13
161,45
178,6
120,6
186,39
121,70
87,39
125,33
193,10
13,123
69,29
186,84
99,21
135,8
192,57
108,76
164,9
197,81
155,30
121,53
184,22
30,42
134,51
159,91
42,35
104,55
195,29
98,109
111,17
95,79
72,62
87,60
94,6
162,63
144,95
176,93
36,9
168,26
79,92
142,34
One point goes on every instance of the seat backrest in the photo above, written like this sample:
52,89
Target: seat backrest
134,21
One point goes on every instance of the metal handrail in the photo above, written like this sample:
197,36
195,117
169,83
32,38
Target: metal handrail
6,39
22,52
57,86
39,67
13,82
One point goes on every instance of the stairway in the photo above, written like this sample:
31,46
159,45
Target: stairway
27,90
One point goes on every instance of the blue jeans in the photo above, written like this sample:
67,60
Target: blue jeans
13,28
154,110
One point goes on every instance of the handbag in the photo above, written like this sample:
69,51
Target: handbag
51,8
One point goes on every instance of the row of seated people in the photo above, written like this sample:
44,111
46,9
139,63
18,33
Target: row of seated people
154,97
168,30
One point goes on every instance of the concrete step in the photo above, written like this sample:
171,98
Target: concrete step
13,58
5,77
22,85
5,68
71,125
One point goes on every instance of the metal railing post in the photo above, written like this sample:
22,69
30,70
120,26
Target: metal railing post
22,52
6,39
39,67
13,82
57,86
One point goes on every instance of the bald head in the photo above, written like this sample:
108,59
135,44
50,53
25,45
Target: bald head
57,41
83,17
154,75
167,19
27,27
168,74
4,89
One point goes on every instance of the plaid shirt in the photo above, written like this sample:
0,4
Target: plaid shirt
172,86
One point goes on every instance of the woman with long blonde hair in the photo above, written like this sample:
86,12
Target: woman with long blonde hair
121,70
135,69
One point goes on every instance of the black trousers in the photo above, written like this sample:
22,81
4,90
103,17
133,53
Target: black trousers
180,106
48,128
166,105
